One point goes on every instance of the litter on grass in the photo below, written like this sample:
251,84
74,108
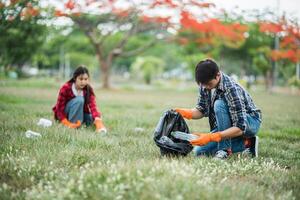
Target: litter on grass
44,122
183,136
138,129
32,134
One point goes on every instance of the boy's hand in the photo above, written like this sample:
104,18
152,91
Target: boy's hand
185,113
198,134
100,128
69,124
205,138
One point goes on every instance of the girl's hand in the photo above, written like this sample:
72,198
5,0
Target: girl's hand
100,128
69,124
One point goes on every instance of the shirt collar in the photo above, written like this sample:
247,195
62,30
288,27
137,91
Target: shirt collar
75,92
221,83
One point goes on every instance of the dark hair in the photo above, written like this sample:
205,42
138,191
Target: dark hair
81,69
205,71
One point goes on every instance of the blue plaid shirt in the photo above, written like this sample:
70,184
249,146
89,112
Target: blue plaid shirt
238,100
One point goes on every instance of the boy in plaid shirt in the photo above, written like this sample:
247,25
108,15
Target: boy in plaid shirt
233,117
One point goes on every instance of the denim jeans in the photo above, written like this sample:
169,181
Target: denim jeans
224,122
74,110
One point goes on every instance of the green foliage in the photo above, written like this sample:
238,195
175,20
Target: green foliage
148,67
170,53
262,63
294,81
193,59
74,45
20,38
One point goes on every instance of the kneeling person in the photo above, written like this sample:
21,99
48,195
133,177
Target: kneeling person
76,102
233,117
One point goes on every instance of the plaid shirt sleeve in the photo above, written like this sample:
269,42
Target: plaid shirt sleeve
203,103
93,106
61,102
237,108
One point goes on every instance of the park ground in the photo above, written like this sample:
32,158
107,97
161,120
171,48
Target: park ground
125,163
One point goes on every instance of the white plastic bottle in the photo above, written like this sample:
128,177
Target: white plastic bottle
32,134
44,122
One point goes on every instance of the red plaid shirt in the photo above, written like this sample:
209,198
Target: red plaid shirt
66,94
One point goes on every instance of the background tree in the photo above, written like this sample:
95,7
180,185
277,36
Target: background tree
21,34
110,27
148,67
65,46
286,46
212,37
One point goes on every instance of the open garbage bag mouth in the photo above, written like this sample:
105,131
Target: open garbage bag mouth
169,145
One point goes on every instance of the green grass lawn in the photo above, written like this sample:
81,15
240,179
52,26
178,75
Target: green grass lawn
126,164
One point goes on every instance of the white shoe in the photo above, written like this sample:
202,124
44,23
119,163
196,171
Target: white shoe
221,154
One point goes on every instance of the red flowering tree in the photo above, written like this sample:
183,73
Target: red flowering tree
100,20
288,35
121,20
289,43
214,32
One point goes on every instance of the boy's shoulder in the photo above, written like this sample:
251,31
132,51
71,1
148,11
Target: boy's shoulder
228,81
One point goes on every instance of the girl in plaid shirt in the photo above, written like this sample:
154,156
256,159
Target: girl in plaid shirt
76,102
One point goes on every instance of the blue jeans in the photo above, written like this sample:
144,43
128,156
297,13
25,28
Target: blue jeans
74,110
224,122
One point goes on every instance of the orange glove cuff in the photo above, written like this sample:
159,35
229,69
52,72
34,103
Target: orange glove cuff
70,124
65,122
216,137
186,113
205,138
198,134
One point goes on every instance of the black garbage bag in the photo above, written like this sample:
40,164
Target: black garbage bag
169,145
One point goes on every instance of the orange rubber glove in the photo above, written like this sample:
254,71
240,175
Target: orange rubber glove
198,134
69,124
99,125
205,138
185,113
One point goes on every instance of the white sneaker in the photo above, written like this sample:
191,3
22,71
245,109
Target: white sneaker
221,154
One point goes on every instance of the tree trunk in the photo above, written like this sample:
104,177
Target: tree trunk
268,81
104,67
273,73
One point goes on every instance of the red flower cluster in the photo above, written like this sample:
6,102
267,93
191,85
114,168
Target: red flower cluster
70,5
147,19
269,27
214,28
59,13
289,40
29,11
292,55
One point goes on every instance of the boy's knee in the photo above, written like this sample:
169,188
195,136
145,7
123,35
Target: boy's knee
219,105
202,151
198,151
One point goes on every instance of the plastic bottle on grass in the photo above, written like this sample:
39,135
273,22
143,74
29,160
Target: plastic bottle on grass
44,122
32,134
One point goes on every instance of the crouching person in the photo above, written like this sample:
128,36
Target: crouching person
76,103
233,117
